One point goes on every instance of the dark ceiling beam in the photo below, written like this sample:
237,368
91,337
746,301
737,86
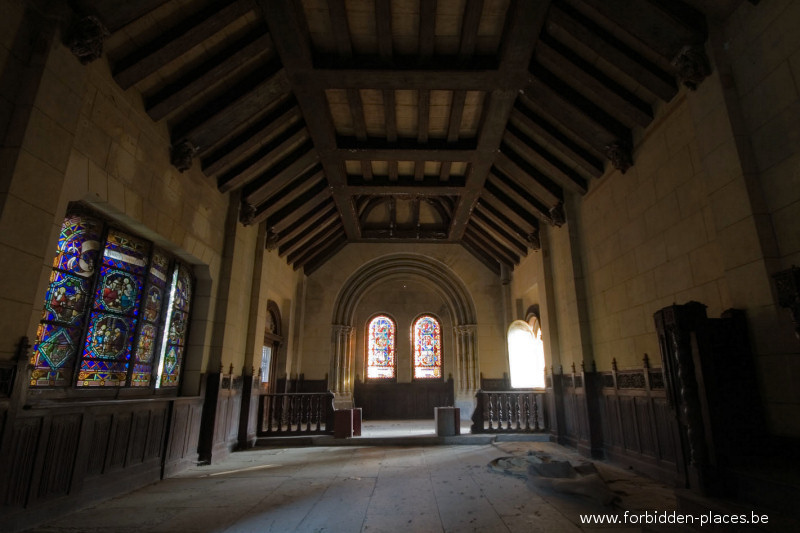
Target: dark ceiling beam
553,105
193,31
593,84
383,28
390,115
498,220
657,26
263,160
311,201
492,246
322,223
456,115
417,79
496,200
309,184
290,34
259,190
366,169
229,61
273,125
516,198
523,24
318,242
313,263
115,14
498,234
563,19
341,27
534,125
524,178
395,189
469,29
426,153
423,115
479,254
427,29
545,162
357,113
444,171
207,126
301,227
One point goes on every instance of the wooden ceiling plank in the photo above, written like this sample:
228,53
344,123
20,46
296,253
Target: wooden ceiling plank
274,128
444,78
132,70
285,176
427,29
496,248
497,234
161,105
525,180
456,114
291,37
534,125
312,184
469,29
341,28
262,164
390,115
565,177
298,209
421,190
488,261
326,253
302,226
628,109
649,76
116,15
523,24
215,124
383,28
319,225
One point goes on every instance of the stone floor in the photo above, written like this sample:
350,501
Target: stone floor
366,488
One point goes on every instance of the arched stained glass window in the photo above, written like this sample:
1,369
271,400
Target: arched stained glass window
104,313
427,348
380,348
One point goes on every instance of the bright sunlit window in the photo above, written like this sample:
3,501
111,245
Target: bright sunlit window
526,354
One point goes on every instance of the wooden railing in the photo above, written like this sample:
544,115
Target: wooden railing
510,412
299,413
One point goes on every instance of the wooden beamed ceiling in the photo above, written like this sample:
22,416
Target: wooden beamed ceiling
465,121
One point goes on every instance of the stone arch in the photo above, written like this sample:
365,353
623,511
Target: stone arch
430,272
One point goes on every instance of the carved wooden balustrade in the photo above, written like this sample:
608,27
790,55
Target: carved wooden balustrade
510,412
297,413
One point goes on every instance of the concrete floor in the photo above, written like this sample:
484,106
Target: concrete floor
364,488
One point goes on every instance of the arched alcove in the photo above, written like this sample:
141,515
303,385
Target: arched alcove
434,276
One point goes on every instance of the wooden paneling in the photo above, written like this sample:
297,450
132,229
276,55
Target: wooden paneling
415,400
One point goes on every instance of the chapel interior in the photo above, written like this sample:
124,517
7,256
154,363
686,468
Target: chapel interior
223,221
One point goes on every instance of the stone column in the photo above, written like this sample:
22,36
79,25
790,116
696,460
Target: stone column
467,382
341,381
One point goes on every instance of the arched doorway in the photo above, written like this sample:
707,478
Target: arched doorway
273,339
446,298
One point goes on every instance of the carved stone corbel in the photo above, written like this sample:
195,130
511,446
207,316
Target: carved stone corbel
534,241
692,65
182,154
247,213
272,240
557,216
788,285
619,153
85,38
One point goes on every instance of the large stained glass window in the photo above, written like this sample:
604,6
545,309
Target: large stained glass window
427,348
104,313
380,348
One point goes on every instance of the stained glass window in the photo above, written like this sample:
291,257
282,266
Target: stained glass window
380,349
104,310
427,348
172,345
